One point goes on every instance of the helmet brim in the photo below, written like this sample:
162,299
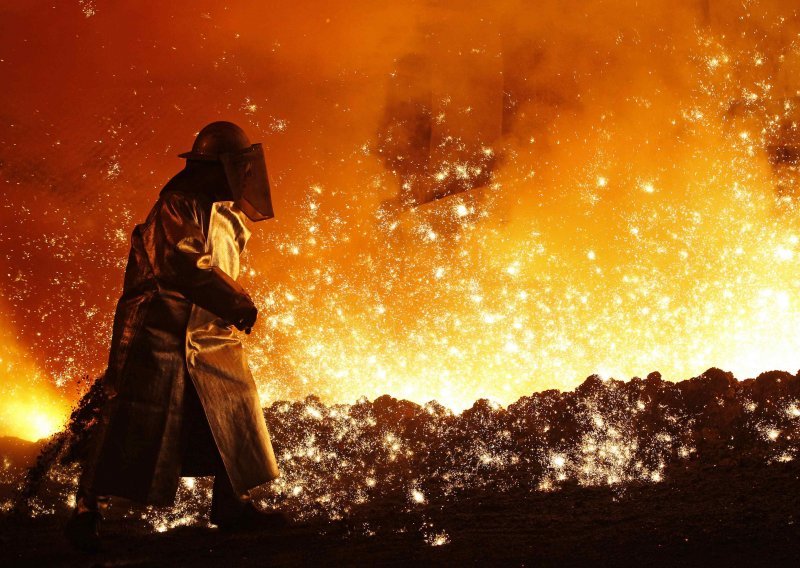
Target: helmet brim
199,157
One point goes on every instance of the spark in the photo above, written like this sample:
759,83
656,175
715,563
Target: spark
438,539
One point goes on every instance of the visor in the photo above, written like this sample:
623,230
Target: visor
247,177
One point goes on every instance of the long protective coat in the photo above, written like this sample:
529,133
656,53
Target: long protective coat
170,327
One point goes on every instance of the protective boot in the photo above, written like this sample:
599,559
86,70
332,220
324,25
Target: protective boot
83,528
231,512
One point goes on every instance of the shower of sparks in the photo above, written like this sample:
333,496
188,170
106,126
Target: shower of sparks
684,255
87,7
637,210
648,224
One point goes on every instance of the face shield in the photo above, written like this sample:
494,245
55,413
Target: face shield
246,171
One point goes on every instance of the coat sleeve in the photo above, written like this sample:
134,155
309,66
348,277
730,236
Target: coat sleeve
182,263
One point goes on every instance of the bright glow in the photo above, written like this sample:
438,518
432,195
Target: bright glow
628,213
32,420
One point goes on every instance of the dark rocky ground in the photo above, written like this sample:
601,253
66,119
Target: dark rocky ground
646,473
744,515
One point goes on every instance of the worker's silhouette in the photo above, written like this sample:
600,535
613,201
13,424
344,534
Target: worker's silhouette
181,399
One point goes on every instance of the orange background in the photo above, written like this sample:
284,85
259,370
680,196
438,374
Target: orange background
633,221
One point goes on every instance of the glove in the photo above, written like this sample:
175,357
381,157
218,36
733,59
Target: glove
246,316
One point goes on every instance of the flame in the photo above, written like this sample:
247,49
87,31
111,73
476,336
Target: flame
30,408
33,419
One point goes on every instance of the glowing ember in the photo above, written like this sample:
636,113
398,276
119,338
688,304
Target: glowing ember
396,454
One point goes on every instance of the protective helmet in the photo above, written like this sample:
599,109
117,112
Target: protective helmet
215,139
245,167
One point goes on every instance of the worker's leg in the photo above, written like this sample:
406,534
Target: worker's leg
226,505
201,457
83,527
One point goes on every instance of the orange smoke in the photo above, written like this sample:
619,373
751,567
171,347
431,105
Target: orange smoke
638,212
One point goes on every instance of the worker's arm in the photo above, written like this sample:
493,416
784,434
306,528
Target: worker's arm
183,264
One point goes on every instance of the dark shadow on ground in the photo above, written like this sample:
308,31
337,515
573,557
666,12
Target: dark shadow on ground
742,515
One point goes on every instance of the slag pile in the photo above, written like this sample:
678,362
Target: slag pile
604,432
335,459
